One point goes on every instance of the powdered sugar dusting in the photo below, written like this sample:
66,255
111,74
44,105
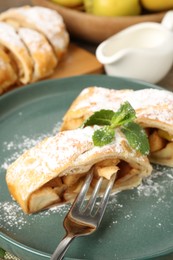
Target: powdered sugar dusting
17,146
154,186
162,113
156,183
41,17
148,206
12,216
34,40
45,20
98,98
155,104
9,35
20,144
58,154
149,97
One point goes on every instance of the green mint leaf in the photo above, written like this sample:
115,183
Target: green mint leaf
125,114
2,253
123,118
102,117
103,136
136,137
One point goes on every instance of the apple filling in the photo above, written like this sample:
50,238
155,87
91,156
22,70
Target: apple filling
65,189
161,146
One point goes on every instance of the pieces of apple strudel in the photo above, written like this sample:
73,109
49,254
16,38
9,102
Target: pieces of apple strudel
34,39
8,75
11,41
53,171
154,110
44,20
44,60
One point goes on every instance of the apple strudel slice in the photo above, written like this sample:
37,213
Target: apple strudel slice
11,41
7,73
44,59
154,111
90,100
53,171
46,21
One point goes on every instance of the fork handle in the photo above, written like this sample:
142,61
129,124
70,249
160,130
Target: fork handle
62,247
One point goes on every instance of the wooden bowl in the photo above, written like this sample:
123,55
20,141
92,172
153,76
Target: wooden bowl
93,28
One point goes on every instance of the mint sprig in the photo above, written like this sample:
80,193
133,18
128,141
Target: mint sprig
102,117
103,136
136,137
123,118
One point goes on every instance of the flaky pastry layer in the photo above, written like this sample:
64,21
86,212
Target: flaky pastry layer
53,171
154,110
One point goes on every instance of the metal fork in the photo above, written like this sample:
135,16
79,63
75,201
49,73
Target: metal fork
83,219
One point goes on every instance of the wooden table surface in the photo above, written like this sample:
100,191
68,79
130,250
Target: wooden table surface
167,82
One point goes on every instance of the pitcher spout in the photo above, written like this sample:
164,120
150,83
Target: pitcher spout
106,54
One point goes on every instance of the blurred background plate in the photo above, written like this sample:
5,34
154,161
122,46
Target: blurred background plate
93,28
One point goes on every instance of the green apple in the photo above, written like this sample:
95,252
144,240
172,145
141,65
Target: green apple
68,3
113,7
157,5
88,5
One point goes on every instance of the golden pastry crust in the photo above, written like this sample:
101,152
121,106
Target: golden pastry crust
44,20
11,41
7,73
53,171
154,110
41,52
92,99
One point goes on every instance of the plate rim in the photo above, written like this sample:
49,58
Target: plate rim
87,76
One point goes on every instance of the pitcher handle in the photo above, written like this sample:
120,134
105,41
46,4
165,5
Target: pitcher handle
167,21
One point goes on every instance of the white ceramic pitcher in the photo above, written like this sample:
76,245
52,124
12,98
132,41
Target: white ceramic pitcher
143,51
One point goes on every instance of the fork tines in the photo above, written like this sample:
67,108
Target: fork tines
78,209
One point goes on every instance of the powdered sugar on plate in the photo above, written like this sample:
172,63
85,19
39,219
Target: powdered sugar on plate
150,201
19,144
17,147
12,216
160,179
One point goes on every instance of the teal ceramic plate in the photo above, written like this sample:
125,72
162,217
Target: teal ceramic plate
138,224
